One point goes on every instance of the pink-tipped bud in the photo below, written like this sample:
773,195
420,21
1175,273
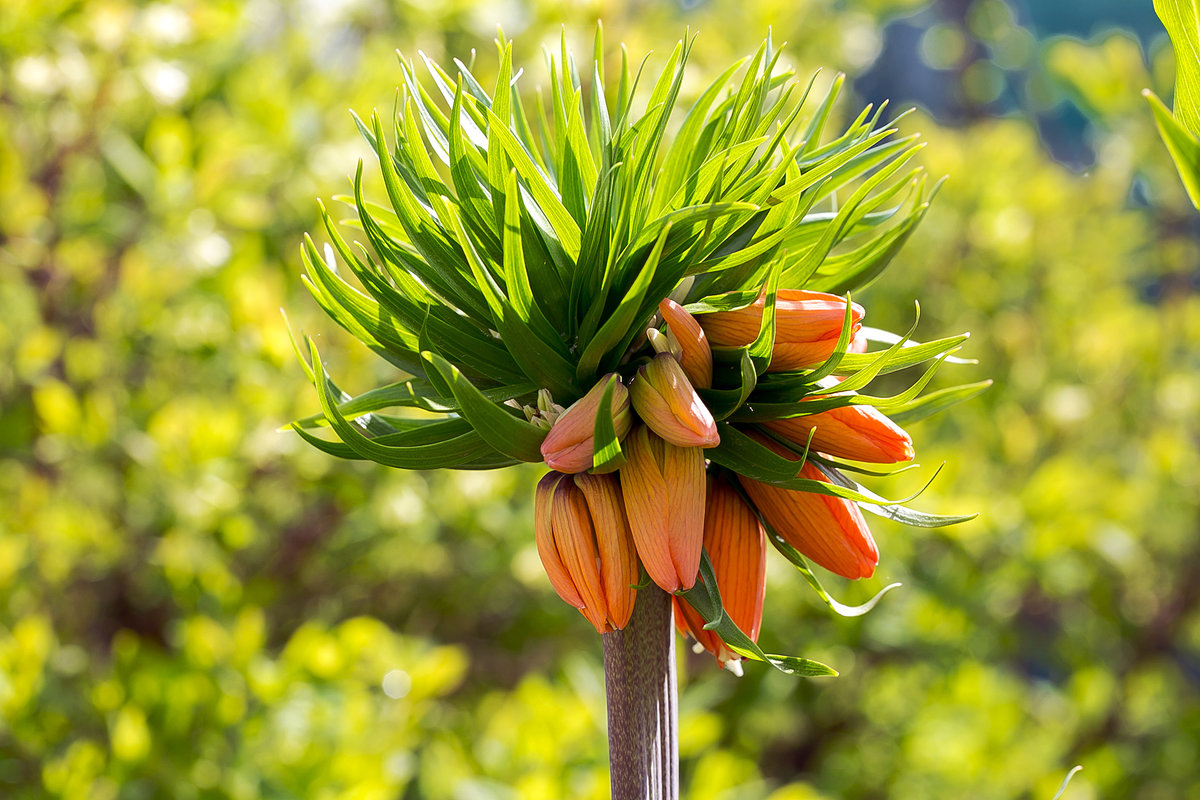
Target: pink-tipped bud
859,433
569,445
585,545
665,400
737,546
807,326
695,355
663,487
829,530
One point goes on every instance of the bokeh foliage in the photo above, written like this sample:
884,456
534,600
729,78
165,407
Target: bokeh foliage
193,604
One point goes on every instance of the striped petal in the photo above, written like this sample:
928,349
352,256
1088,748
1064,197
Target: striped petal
614,544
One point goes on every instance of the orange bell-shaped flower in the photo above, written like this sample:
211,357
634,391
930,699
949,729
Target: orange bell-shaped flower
569,445
586,549
859,433
695,356
737,547
663,486
807,326
664,398
829,530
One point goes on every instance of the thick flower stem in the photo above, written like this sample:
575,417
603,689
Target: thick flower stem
643,725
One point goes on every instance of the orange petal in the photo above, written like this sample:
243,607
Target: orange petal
683,471
647,506
618,558
803,316
807,326
737,545
859,433
697,355
788,356
575,539
569,447
690,623
665,400
560,579
829,530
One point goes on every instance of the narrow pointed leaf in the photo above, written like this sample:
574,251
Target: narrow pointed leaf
701,597
503,431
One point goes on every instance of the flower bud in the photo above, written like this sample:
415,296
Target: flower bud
829,530
695,355
569,446
665,400
807,326
584,542
663,488
859,433
737,547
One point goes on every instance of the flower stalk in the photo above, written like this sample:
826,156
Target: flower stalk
640,688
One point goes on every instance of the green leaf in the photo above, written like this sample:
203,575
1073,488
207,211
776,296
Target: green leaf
1182,145
705,597
936,402
729,301
798,561
505,432
764,343
564,225
683,151
858,268
741,454
606,455
448,452
724,401
412,393
474,206
360,315
1062,787
621,325
894,511
908,354
1181,18
443,260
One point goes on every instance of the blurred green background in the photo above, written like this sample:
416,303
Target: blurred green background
195,605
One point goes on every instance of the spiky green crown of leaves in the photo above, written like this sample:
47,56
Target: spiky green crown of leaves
528,248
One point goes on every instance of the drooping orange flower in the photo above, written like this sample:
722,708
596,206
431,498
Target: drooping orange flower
859,433
585,546
569,447
664,489
807,326
737,546
695,355
829,530
665,400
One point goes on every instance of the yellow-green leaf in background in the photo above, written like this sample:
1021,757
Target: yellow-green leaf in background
1181,131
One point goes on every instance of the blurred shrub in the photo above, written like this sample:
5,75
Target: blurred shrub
191,605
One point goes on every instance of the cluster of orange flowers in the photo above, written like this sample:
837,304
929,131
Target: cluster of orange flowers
662,506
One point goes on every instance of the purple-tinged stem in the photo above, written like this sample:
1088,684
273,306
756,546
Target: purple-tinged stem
643,717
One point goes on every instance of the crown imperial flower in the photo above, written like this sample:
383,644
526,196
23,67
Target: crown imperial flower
737,545
569,445
695,355
585,546
807,326
664,490
512,262
859,433
664,399
829,530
